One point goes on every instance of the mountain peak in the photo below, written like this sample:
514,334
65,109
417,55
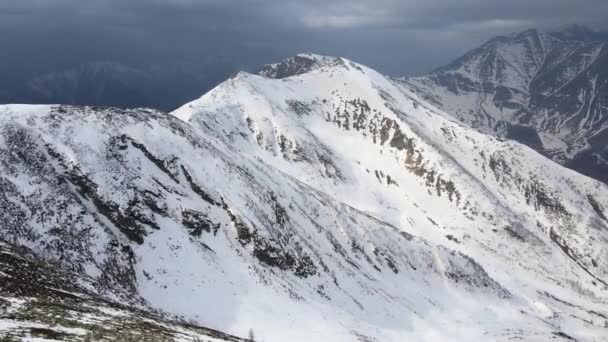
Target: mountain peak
299,64
337,196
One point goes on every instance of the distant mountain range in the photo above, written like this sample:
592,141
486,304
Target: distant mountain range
115,84
548,90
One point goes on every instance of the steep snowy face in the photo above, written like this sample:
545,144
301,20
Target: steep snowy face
547,90
366,141
330,204
150,209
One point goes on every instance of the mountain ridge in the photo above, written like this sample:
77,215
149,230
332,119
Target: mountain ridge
300,205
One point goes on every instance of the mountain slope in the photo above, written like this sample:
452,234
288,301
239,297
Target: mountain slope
38,300
348,130
329,204
547,90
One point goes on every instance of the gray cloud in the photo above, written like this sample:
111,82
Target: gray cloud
395,36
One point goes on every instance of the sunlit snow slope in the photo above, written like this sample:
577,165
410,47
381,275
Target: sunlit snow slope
318,201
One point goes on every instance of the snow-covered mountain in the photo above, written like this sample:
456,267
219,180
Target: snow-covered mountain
318,200
548,90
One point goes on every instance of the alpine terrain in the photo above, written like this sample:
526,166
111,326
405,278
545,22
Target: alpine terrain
548,90
315,201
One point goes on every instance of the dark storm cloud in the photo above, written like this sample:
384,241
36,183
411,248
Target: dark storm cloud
396,36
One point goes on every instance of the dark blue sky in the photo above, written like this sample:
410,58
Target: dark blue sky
400,37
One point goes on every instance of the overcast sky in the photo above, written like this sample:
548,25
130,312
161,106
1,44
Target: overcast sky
399,37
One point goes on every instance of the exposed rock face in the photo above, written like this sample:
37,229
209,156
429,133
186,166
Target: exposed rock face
546,90
299,65
331,198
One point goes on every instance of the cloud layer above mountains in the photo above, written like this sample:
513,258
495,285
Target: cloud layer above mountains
395,36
